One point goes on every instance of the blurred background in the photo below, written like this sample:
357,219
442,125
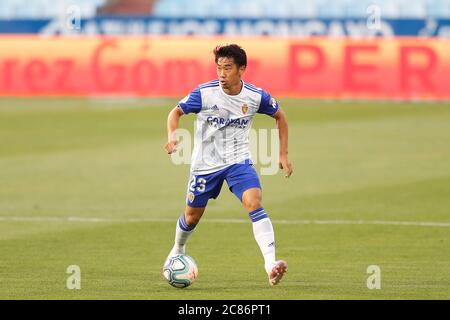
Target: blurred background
85,89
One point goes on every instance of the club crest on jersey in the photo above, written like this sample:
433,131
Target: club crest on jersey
191,197
245,109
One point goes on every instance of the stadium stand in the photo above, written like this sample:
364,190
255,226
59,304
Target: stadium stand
42,9
25,9
301,9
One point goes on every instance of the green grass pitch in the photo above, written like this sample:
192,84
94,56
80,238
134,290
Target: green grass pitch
87,183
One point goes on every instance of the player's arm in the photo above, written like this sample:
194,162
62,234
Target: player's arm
282,124
192,103
270,107
173,122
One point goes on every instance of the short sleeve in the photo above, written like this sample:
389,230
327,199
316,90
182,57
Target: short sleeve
268,104
192,102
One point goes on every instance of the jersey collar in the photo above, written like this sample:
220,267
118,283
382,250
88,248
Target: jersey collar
236,95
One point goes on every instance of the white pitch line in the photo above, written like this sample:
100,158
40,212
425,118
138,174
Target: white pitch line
297,222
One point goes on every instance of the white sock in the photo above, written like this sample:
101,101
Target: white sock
264,236
182,233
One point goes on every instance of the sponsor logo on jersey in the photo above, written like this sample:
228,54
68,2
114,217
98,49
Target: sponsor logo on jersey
222,122
244,108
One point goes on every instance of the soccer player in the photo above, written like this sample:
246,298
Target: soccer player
225,109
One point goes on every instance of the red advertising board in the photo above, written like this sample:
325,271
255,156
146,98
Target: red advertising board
383,68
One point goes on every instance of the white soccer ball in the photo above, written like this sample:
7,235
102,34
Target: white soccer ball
180,271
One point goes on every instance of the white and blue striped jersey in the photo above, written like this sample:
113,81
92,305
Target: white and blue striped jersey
223,124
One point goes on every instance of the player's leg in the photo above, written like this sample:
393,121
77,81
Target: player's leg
185,227
261,224
244,183
264,234
200,190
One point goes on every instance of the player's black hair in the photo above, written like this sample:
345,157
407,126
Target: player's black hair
231,51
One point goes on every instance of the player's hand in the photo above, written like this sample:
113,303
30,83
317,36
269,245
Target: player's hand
171,146
285,165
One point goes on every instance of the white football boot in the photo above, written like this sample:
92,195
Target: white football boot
176,250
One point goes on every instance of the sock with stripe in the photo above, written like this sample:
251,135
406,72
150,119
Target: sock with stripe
264,236
182,233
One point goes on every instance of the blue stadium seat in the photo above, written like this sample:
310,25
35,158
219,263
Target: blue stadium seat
165,8
332,9
413,9
303,9
438,8
358,9
389,9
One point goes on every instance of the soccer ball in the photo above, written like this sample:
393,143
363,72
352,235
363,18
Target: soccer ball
180,271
